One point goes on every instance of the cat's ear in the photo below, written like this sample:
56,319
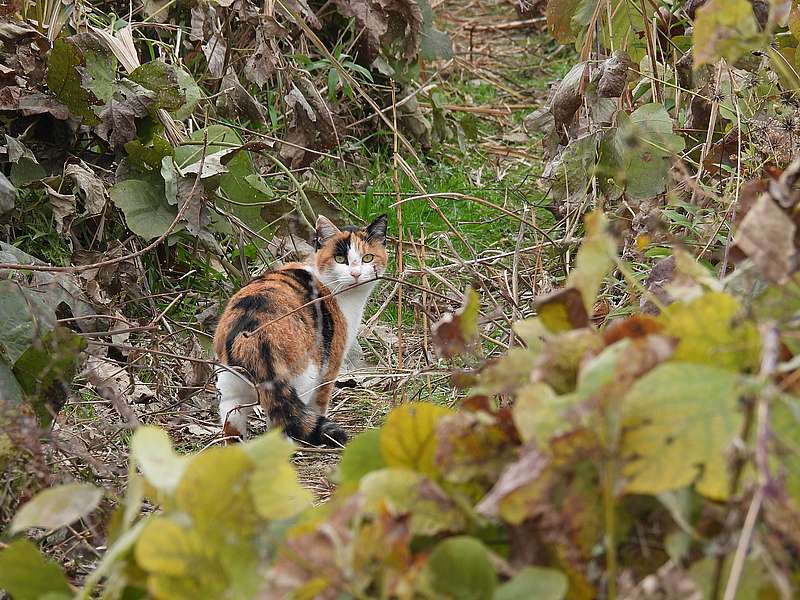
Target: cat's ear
376,231
325,230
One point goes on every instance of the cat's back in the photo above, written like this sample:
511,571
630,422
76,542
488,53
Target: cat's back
286,312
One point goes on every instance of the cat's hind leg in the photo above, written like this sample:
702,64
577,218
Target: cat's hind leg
237,398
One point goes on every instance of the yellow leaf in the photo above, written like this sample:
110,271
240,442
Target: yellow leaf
725,29
408,438
275,490
214,491
679,421
709,331
180,563
162,467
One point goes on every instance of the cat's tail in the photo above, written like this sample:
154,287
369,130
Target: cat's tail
285,409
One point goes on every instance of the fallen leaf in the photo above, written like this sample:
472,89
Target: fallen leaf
90,186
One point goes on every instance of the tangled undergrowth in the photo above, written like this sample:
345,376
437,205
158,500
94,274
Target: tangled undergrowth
609,410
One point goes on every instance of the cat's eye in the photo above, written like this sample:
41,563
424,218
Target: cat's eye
367,258
340,259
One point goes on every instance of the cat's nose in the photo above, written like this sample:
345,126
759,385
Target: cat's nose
355,275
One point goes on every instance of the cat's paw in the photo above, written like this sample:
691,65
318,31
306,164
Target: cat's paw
333,435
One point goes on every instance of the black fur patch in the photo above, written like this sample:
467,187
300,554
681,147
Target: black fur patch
327,330
254,303
242,325
342,247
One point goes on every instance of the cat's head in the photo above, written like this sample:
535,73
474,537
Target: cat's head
350,255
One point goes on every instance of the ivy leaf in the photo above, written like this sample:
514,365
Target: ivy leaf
159,77
710,331
455,333
595,259
27,575
24,316
408,437
147,212
459,567
679,421
534,582
64,80
361,456
151,450
276,492
57,507
725,29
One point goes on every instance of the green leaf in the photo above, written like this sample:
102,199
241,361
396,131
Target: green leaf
46,369
236,194
99,74
27,575
191,92
24,316
434,44
159,77
64,81
679,421
361,456
276,492
147,212
537,583
637,153
151,450
459,567
725,29
408,437
710,331
785,419
10,392
57,507
595,259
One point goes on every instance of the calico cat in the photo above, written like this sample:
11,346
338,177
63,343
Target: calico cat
289,330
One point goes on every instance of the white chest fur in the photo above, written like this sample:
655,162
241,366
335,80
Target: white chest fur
352,303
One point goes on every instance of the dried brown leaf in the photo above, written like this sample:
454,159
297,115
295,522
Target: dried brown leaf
766,235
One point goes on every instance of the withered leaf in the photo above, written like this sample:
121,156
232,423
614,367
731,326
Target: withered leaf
453,334
235,101
214,50
314,126
563,309
90,186
63,206
766,235
261,64
521,491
